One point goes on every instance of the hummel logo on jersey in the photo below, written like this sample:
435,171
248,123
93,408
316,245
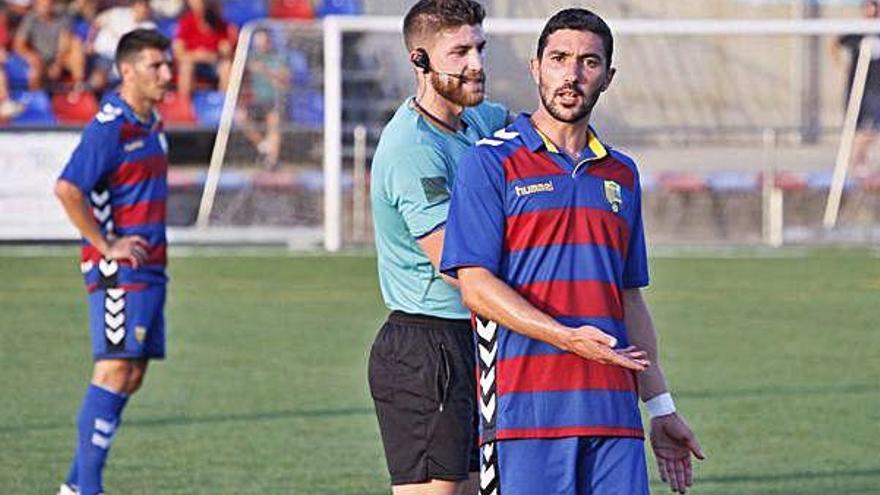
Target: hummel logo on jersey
134,145
534,188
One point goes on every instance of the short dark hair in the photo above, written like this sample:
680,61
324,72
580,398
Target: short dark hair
433,16
132,43
578,20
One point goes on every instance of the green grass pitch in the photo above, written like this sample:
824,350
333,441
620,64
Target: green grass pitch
775,361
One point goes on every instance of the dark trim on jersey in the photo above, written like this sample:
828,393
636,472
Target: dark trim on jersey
440,226
436,121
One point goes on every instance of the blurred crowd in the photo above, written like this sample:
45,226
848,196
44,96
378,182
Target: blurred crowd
61,51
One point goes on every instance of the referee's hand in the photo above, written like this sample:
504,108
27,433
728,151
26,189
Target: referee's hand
591,343
131,247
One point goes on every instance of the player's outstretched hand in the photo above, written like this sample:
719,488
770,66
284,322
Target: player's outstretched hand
591,343
131,247
673,443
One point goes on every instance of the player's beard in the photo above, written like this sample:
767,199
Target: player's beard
567,114
460,90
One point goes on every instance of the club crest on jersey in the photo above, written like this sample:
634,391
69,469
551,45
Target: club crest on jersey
613,195
534,188
140,333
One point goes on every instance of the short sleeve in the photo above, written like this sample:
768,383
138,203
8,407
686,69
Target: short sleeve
417,185
475,227
95,156
635,269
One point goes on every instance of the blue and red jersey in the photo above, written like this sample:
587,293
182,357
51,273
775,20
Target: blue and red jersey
568,237
121,166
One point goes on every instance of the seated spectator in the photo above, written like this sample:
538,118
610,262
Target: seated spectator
204,43
44,39
8,108
267,78
108,27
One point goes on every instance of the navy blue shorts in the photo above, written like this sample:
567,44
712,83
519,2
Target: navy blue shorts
566,466
128,324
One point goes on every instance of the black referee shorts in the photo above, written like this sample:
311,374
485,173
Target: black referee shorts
423,382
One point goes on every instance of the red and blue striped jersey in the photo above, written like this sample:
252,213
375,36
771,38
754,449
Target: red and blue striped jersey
121,166
568,237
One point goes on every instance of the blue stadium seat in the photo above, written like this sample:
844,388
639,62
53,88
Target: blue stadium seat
240,12
81,27
339,7
37,109
208,105
298,65
305,107
16,71
167,26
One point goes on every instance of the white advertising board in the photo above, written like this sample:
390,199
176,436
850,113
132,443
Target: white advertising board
29,165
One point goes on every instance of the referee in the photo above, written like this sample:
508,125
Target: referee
422,368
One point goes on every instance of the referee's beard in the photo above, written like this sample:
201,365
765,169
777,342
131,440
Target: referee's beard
467,90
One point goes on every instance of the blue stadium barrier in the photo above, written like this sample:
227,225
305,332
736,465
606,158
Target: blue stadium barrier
37,109
306,108
822,180
313,180
240,12
16,71
731,181
339,7
208,105
298,65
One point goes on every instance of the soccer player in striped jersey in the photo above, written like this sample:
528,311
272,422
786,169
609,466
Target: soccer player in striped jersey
545,235
421,368
114,190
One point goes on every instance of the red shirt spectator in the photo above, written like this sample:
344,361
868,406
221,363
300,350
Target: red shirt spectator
197,33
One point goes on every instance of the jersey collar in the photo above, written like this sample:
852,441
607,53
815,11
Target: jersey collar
534,139
116,100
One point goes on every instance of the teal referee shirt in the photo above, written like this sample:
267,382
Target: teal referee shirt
411,178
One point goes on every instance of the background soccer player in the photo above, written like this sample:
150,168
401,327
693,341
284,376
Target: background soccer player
421,368
114,189
545,235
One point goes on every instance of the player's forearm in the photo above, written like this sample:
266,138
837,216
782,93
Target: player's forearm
432,246
491,298
641,333
78,211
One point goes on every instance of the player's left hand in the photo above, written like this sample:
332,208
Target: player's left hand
673,443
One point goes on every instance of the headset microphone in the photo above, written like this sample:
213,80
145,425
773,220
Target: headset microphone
422,61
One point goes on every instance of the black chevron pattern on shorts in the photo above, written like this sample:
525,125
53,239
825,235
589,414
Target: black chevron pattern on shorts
487,356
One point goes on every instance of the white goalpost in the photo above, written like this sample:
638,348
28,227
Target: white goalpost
333,31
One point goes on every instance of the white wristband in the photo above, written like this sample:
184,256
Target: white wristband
660,405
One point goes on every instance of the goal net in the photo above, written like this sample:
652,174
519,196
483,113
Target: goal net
735,125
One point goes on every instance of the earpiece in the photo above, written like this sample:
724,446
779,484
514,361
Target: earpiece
421,60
